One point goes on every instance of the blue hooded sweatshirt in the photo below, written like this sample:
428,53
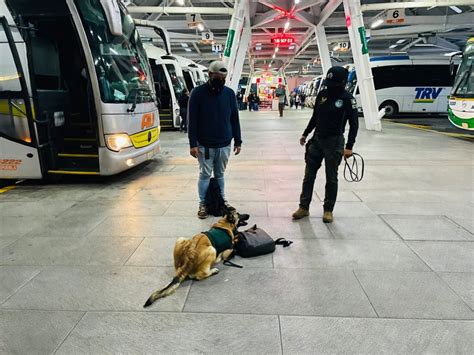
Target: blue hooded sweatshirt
213,118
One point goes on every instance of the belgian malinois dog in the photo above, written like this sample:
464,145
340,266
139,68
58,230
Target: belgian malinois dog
194,258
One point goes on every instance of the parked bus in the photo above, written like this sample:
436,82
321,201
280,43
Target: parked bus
169,85
461,100
313,90
76,90
403,84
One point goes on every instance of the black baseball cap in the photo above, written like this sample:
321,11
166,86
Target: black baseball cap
336,76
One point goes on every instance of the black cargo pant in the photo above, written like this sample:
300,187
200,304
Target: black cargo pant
330,149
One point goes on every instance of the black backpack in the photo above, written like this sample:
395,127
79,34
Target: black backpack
255,241
214,201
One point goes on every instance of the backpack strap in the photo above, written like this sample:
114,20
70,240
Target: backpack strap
284,242
230,263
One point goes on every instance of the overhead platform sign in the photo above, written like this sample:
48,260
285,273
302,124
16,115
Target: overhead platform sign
395,17
283,39
193,20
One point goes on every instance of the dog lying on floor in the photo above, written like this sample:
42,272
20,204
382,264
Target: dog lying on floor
195,257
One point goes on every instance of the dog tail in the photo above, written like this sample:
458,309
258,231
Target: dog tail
168,290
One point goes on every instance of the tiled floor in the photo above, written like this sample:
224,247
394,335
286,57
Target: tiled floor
394,273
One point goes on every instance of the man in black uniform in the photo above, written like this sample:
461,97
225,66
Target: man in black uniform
333,108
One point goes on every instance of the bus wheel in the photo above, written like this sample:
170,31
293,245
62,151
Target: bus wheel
391,108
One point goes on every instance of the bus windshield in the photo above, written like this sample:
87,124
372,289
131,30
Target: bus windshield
120,61
178,81
351,81
464,84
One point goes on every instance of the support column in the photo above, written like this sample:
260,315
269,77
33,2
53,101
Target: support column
360,53
243,44
235,29
323,48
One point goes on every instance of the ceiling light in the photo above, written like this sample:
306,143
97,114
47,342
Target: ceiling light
277,49
455,9
180,2
297,2
287,25
291,47
274,55
393,46
184,45
200,27
400,41
188,49
376,23
450,54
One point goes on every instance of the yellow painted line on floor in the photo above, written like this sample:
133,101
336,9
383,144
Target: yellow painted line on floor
423,128
6,189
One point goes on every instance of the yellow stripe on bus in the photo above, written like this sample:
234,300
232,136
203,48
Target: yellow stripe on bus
142,139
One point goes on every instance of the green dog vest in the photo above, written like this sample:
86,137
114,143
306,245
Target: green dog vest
220,239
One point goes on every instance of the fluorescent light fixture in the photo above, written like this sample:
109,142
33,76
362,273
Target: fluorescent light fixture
200,27
400,41
180,2
424,45
291,47
274,55
188,49
184,45
399,52
376,23
277,49
297,2
258,44
393,46
287,25
456,9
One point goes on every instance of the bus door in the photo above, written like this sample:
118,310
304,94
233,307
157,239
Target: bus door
19,153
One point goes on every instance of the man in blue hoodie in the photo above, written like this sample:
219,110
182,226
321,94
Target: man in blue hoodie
213,121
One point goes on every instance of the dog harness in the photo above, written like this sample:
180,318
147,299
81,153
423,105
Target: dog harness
220,239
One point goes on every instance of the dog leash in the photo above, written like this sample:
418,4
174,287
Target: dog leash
353,168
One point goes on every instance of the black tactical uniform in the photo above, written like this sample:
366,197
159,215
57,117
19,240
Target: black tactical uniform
332,109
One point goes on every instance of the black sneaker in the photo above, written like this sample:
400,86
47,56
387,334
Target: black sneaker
228,206
202,212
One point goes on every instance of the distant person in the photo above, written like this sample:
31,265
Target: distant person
251,101
240,100
333,107
297,100
213,124
303,99
183,110
256,103
281,94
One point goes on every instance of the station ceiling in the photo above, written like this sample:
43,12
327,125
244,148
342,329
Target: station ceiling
426,31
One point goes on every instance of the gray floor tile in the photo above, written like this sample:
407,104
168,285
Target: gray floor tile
112,208
462,283
33,332
265,291
124,193
12,278
342,196
310,335
90,288
5,241
41,208
152,227
446,256
461,210
348,254
166,333
67,226
253,208
69,251
19,226
414,196
426,228
177,194
467,223
281,227
412,295
362,228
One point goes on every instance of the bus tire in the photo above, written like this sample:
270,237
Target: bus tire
391,108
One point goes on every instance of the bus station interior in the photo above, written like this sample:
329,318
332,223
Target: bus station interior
394,272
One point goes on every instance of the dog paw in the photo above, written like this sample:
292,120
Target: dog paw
214,271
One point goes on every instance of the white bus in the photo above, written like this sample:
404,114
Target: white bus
169,85
76,90
407,85
312,91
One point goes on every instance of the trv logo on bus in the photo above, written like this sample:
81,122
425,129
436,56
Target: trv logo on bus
427,95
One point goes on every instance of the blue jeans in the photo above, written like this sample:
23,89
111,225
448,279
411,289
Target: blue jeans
217,162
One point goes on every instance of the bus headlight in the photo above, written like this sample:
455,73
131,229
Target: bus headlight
117,142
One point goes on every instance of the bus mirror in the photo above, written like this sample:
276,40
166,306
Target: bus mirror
451,68
112,12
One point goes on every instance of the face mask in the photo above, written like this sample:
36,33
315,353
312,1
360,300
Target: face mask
217,84
335,90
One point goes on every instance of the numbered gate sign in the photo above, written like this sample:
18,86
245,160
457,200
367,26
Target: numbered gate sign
193,20
217,48
395,16
207,36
